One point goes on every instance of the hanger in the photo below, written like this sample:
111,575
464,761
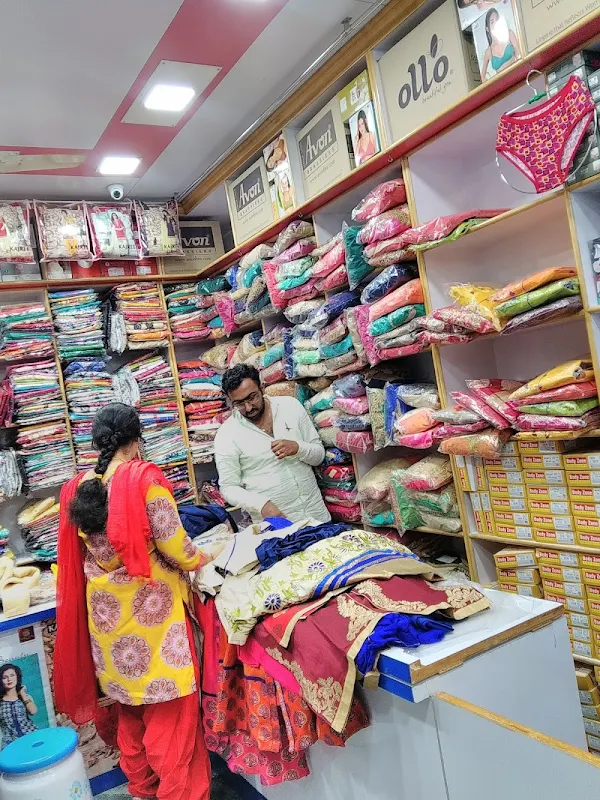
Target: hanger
536,97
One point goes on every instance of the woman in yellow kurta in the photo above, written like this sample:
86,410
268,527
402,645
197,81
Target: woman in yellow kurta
135,557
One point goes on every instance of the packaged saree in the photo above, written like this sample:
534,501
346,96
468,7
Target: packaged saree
564,307
578,370
561,408
532,282
487,444
477,299
567,287
572,391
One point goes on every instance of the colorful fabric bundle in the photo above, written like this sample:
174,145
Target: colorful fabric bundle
38,523
112,227
535,422
88,387
63,231
409,294
573,391
463,318
299,229
158,229
385,226
15,233
567,287
495,393
531,282
36,393
580,370
442,227
11,482
144,318
46,454
383,197
331,260
481,407
189,312
78,318
388,279
487,444
564,307
356,265
25,332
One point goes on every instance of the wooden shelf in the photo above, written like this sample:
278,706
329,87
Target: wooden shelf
593,662
571,548
458,535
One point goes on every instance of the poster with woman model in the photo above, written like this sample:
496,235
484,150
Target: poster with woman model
496,39
279,176
25,696
63,231
363,129
469,11
112,230
158,226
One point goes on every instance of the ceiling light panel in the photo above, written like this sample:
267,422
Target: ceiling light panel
118,165
166,97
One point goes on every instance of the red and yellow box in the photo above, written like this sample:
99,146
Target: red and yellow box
546,492
585,525
588,539
579,508
584,494
546,446
585,649
486,508
509,504
477,512
564,589
563,574
586,682
550,537
466,473
550,522
590,560
542,461
545,477
559,507
526,575
514,558
579,620
503,477
583,477
587,460
523,532
515,490
512,518
591,577
525,590
558,558
590,697
577,604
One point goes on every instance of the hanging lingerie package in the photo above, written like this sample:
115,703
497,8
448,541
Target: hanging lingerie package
15,233
63,231
158,228
112,228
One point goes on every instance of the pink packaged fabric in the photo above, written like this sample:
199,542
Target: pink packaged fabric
299,229
343,497
464,318
225,308
352,324
63,231
298,250
354,366
383,197
480,407
495,393
487,444
446,431
335,280
408,294
337,472
320,251
389,353
387,259
573,391
279,298
441,227
368,341
327,418
386,246
418,441
427,474
387,225
352,405
536,422
331,260
354,441
273,374
415,421
431,337
344,513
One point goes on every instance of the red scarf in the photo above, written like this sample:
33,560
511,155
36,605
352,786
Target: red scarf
128,531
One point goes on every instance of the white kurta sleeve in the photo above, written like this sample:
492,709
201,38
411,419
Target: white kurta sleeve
230,478
310,447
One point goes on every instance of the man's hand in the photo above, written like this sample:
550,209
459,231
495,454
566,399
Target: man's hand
270,510
282,448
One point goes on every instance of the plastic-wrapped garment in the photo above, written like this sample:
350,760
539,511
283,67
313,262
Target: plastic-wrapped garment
400,340
258,295
293,269
428,474
572,391
556,310
441,501
441,227
248,276
561,408
281,298
272,355
387,259
409,294
332,365
258,253
334,332
220,355
298,312
344,497
376,397
532,282
481,407
328,436
225,308
477,299
312,370
352,325
299,229
338,349
350,386
389,279
440,523
383,197
273,374
455,416
321,401
396,321
487,444
320,251
417,441
335,456
333,259
337,472
15,243
407,515
305,342
368,341
393,406
63,230
287,284
495,392
384,248
376,483
578,370
535,422
448,430
289,365
418,395
355,406
333,308
351,423
354,441
335,280
318,384
462,317
301,248
345,513
353,366
283,389
355,263
539,297
385,226
249,344
427,338
275,335
215,322
325,419
415,421
231,276
379,519
307,356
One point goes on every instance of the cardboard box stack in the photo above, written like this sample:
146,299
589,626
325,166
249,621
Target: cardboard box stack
589,697
518,572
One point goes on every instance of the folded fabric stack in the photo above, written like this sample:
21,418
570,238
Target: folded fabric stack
88,386
78,320
139,321
374,492
341,415
337,481
193,315
249,350
26,331
36,391
408,414
249,298
148,384
423,495
385,214
205,407
46,454
38,523
11,481
289,272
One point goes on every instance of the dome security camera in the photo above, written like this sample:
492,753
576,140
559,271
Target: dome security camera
116,191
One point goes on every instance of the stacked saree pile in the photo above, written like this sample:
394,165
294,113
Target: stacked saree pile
140,321
205,407
38,523
25,332
78,320
191,308
310,607
88,387
11,481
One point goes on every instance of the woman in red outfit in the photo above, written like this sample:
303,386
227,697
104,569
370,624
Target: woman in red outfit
122,614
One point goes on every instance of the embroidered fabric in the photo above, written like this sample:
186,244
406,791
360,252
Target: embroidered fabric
541,142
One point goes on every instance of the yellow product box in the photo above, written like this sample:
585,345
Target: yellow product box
590,711
585,525
510,449
558,507
583,477
583,510
546,447
577,604
563,588
509,463
586,682
597,674
466,473
594,615
486,507
588,459
590,560
480,524
579,620
584,494
558,558
581,635
565,574
503,477
588,539
553,522
582,648
514,558
514,490
591,577
592,592
525,590
519,575
550,537
480,475
592,726
523,532
596,641
545,477
509,504
593,742
511,518
542,461
546,492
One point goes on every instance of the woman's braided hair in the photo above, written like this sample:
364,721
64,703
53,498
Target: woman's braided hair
115,426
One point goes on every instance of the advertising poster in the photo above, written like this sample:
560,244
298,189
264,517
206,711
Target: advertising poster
249,200
202,244
279,176
496,39
323,151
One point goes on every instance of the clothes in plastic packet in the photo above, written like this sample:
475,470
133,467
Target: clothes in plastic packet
356,265
307,356
561,408
495,392
273,374
441,501
272,355
387,259
352,325
345,497
407,515
400,340
320,251
294,269
328,436
464,318
287,284
333,308
440,523
339,349
283,389
334,332
477,299
335,280
426,338
531,282
325,419
349,386
419,395
258,253
556,310
383,197
410,293
391,353
321,401
220,355
335,456
333,365
440,227
301,248
448,430
299,312
578,370
354,441
430,473
376,483
539,297
346,514
337,472
396,319
535,422
388,279
479,406
333,259
572,391
487,444
346,422
355,406
415,421
376,397
455,416
312,370
385,226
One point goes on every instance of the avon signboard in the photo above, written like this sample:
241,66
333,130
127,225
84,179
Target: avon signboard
202,244
250,202
323,150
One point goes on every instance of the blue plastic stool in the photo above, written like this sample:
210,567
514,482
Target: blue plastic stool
45,765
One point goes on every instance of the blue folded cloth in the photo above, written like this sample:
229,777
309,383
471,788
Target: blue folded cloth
270,551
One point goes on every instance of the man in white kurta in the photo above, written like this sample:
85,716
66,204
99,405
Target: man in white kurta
265,452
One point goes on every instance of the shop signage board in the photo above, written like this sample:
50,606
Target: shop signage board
249,202
544,19
202,244
323,150
429,70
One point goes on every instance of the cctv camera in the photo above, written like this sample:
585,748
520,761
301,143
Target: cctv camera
116,191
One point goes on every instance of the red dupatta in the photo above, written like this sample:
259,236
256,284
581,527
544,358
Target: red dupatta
128,530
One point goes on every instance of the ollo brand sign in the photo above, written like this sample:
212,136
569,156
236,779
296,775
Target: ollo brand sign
202,244
429,70
544,19
249,201
323,150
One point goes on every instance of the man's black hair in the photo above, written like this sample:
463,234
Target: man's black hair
233,378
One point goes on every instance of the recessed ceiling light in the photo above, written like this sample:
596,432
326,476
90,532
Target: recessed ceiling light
167,97
118,165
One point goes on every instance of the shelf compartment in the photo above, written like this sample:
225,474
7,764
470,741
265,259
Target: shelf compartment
571,548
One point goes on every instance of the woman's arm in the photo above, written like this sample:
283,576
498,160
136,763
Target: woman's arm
168,533
28,702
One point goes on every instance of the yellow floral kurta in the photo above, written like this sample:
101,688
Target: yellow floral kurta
137,626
